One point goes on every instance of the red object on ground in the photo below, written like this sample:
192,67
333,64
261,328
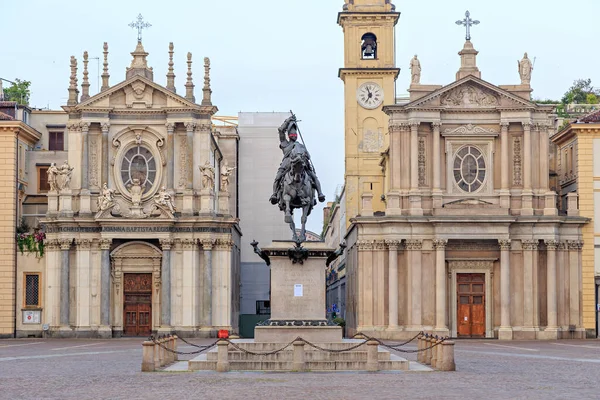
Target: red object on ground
223,334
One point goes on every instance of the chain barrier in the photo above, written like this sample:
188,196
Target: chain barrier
395,347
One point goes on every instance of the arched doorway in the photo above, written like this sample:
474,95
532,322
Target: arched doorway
136,288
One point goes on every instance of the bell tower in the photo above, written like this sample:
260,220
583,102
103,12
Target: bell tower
369,74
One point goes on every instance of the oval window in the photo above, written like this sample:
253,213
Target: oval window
138,163
469,169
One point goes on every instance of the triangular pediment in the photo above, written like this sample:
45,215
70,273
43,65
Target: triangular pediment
470,93
136,92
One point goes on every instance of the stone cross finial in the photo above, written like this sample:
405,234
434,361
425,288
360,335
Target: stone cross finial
171,74
189,86
206,91
105,74
73,91
468,23
85,85
139,25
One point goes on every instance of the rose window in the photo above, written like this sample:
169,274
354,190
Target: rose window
139,163
469,169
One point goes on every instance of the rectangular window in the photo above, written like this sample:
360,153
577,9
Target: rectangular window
56,141
43,185
263,307
32,290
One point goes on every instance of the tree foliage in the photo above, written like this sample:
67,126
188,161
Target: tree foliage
582,92
18,91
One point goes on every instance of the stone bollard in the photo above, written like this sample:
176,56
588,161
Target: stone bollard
420,340
162,352
175,355
147,356
434,353
439,354
427,351
170,349
372,356
299,363
156,354
447,363
222,356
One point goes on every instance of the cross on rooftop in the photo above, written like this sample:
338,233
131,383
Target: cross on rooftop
139,25
468,22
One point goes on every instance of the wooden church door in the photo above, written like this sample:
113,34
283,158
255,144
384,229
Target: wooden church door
471,305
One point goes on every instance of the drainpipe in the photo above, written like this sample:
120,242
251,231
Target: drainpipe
15,228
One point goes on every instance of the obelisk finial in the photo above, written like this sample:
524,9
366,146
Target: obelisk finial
73,91
171,74
105,74
189,86
85,85
206,91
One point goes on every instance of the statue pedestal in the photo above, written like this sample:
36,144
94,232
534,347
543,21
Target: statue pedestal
224,203
52,204
207,201
297,296
66,203
85,203
136,212
188,203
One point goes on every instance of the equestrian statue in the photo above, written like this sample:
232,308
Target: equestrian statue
296,180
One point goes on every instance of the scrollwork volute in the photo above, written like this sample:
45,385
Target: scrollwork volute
188,244
440,244
83,244
551,244
365,245
414,244
529,244
207,244
574,245
392,244
504,244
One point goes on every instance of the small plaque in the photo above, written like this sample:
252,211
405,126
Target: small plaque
31,316
298,290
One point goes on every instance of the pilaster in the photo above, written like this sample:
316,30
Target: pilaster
65,246
504,178
574,268
414,195
551,331
207,282
414,248
165,295
393,246
505,331
527,194
440,285
221,284
529,298
437,169
82,282
105,284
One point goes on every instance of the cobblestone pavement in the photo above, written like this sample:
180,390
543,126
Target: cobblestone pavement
110,369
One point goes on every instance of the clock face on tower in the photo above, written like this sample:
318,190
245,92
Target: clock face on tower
369,95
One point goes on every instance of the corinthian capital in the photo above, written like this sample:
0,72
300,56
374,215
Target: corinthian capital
440,244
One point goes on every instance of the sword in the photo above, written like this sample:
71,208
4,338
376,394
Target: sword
303,142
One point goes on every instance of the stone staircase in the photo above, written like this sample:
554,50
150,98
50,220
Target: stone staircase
315,360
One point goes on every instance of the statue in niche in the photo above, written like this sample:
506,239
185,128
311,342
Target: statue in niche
164,200
525,68
106,199
65,172
136,191
226,171
415,71
208,176
52,175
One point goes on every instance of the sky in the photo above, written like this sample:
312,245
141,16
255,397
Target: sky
277,55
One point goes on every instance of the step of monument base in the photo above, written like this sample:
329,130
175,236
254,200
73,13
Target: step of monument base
315,359
288,355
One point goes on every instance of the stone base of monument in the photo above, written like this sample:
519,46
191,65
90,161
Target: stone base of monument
298,310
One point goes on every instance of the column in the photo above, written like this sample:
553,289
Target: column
529,247
85,128
415,247
505,152
189,281
505,331
393,202
52,283
440,285
74,153
550,195
575,247
170,155
82,283
105,157
527,200
105,282
436,156
221,284
551,246
165,276
414,157
207,246
393,246
65,246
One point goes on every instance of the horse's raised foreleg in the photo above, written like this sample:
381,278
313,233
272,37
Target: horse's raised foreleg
303,219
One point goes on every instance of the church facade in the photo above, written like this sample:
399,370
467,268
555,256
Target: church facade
459,232
141,224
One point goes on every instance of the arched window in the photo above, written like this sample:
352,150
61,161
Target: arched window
369,46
